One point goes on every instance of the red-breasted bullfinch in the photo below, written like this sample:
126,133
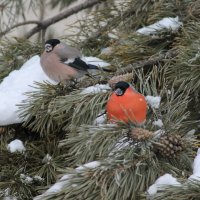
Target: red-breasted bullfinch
126,105
62,62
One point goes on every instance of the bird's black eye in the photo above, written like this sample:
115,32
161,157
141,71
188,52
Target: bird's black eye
121,87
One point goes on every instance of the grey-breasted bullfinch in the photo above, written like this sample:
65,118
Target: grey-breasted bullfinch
62,62
126,105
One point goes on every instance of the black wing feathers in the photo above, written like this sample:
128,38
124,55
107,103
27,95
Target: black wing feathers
81,65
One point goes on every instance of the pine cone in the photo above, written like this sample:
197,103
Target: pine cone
115,79
170,145
140,134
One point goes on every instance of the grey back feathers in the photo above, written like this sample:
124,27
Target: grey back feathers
66,52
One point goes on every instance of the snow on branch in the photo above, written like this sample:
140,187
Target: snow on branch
167,23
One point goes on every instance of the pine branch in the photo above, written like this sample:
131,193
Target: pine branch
94,142
107,181
114,178
150,62
185,65
52,109
76,108
37,107
189,190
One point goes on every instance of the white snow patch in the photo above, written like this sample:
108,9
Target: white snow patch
26,179
65,180
112,36
168,23
158,133
196,167
96,89
95,61
38,178
13,87
47,159
56,188
90,165
100,120
161,182
154,102
16,146
158,123
121,144
106,51
169,92
103,23
191,132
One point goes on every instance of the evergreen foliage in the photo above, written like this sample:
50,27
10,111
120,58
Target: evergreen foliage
59,132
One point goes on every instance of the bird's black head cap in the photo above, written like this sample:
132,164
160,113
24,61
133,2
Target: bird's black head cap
50,44
53,42
121,87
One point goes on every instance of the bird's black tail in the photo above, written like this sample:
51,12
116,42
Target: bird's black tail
90,66
99,68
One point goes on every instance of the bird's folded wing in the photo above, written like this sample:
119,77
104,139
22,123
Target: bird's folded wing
78,64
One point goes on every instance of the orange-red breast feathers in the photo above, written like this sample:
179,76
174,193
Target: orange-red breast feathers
130,106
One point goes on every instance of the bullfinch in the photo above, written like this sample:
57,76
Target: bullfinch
62,62
126,105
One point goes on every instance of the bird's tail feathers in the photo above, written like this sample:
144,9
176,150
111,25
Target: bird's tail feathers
90,66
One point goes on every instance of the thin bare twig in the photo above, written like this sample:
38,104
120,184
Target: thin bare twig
63,15
149,62
19,24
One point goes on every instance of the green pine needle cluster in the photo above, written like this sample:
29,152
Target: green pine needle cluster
52,108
